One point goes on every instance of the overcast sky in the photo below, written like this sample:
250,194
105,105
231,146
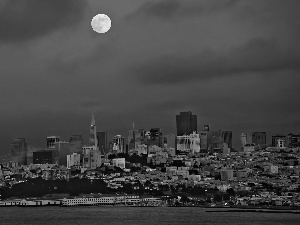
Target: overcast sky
233,63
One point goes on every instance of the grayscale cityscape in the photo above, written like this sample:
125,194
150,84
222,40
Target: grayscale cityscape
149,112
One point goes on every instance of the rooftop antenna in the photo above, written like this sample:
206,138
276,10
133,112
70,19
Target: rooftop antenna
133,125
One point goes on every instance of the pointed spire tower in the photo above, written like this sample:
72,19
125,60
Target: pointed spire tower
93,133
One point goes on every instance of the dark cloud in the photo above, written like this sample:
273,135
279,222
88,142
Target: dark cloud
175,9
257,55
21,21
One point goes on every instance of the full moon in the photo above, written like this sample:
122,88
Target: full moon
101,23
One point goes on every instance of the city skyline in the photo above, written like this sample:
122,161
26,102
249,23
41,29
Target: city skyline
233,63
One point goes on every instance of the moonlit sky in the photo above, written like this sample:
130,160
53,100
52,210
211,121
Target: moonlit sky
233,63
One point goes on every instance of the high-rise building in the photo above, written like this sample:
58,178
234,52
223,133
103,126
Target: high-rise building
227,138
246,139
102,142
259,138
135,138
275,138
206,128
293,140
93,133
45,156
186,123
51,140
91,156
169,141
214,141
73,160
155,137
18,149
63,149
118,144
203,141
76,144
188,144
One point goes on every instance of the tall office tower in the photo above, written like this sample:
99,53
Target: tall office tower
243,139
63,149
214,140
91,156
118,144
246,139
18,149
206,128
203,141
155,137
259,138
135,138
275,139
93,133
186,123
102,141
227,138
293,140
51,140
76,144
169,141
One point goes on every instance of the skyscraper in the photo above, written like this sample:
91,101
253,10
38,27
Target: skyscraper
102,141
51,140
18,149
227,138
155,137
91,154
259,138
135,138
118,144
186,123
93,133
76,144
275,139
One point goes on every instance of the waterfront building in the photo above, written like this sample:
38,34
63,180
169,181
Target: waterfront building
18,149
51,140
186,123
